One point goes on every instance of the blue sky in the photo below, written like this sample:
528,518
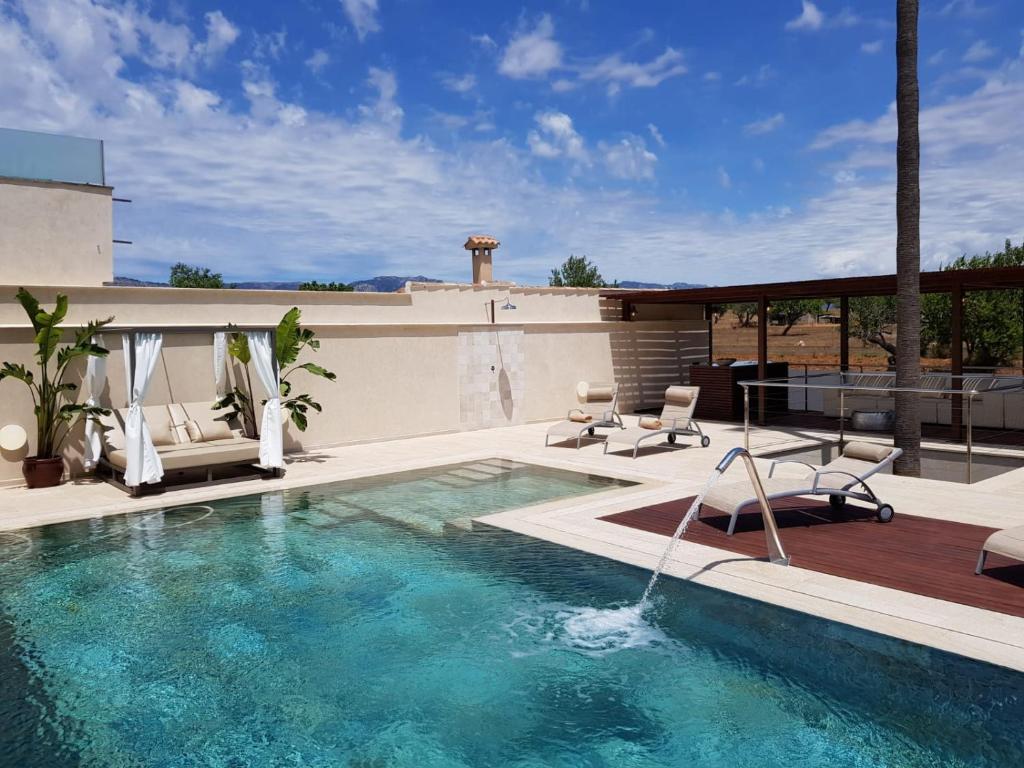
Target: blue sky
694,141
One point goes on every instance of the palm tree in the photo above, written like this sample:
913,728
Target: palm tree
908,240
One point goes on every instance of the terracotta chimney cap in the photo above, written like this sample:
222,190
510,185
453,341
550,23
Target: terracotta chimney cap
481,241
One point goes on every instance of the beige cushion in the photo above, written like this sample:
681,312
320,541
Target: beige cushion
1008,542
237,450
178,419
680,395
215,430
580,417
599,393
113,434
157,419
649,422
212,424
866,451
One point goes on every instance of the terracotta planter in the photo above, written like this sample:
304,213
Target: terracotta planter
42,473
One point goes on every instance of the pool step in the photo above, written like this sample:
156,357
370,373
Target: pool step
503,463
415,520
488,469
469,474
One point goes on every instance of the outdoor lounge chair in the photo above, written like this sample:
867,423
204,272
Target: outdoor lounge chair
676,420
841,479
598,407
1008,542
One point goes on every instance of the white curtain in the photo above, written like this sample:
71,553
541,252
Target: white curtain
95,376
143,462
220,356
261,348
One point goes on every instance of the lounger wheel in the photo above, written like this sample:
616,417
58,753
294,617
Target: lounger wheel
886,513
705,441
838,502
671,439
590,431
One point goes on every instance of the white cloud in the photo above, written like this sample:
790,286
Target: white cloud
712,77
220,34
656,134
964,8
617,73
810,18
556,137
871,48
193,100
629,158
269,45
262,188
767,125
763,74
459,84
724,179
532,52
362,14
484,40
318,60
385,109
937,57
979,51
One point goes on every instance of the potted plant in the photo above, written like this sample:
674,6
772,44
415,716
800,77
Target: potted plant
56,413
291,339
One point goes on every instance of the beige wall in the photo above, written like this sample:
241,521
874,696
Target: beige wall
396,355
52,232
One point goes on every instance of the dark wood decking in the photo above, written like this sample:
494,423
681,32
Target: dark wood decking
928,557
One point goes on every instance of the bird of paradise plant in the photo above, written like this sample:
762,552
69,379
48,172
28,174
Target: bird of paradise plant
55,411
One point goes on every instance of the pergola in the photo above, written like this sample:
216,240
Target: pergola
955,282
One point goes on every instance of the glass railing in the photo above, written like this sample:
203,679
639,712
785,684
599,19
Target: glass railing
50,157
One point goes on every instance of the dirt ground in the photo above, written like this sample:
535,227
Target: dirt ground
811,344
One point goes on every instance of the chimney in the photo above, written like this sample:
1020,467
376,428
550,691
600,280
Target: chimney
482,246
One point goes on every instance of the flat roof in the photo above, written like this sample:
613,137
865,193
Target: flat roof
943,281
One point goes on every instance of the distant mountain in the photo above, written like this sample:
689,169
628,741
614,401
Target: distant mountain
379,284
131,281
633,284
389,283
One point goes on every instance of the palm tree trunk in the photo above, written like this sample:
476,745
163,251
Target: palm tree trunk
908,240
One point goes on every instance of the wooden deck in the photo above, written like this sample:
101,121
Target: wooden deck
920,555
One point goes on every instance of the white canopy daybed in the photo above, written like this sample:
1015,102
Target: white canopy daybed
140,442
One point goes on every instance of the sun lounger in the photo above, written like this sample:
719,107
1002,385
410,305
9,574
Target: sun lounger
676,420
1008,542
841,479
597,407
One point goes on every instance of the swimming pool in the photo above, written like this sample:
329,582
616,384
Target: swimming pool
354,624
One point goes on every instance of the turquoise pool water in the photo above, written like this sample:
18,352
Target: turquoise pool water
354,624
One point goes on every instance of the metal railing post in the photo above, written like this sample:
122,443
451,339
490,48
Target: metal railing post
970,438
746,418
842,416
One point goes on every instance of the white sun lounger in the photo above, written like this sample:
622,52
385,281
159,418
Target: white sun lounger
841,479
597,407
676,420
1008,542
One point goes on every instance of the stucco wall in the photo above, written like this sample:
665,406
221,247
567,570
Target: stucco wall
397,356
55,233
